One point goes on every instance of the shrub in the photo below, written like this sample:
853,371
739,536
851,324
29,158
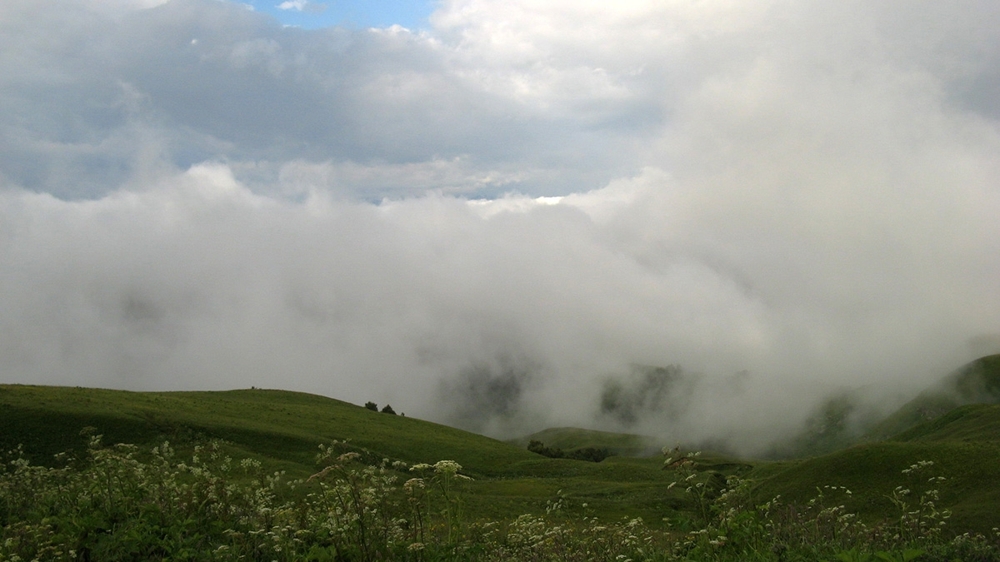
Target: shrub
539,448
120,503
591,454
388,410
371,406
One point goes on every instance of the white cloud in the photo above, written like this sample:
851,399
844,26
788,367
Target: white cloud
302,6
806,191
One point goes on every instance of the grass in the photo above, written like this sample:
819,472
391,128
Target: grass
272,424
977,382
838,422
283,430
871,471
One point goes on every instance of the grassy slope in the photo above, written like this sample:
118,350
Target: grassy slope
283,425
972,423
964,446
975,383
955,424
283,430
838,423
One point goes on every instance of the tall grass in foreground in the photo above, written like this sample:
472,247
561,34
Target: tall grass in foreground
120,503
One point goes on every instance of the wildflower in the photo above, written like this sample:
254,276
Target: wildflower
348,457
447,467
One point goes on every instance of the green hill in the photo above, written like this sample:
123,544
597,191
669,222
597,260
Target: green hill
277,425
284,429
963,445
840,421
977,382
978,423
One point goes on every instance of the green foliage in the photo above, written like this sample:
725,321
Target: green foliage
117,503
120,503
388,410
371,406
571,438
110,500
539,448
585,454
124,503
872,471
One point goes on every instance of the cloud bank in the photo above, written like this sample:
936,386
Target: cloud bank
484,223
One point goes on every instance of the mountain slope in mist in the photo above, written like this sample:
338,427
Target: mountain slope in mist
960,447
977,382
844,419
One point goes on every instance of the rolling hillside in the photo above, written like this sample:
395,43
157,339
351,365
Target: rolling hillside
284,429
963,445
975,383
279,425
839,422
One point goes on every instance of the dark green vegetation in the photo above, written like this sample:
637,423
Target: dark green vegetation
908,495
585,454
283,430
571,439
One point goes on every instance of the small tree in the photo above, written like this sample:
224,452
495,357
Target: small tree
388,410
540,448
371,406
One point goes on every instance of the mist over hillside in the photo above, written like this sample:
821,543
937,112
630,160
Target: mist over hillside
698,221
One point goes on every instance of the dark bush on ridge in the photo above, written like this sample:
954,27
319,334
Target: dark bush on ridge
586,454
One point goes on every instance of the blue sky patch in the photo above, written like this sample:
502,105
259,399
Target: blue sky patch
313,14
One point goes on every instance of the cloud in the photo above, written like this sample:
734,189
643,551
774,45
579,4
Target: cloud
529,199
220,81
302,6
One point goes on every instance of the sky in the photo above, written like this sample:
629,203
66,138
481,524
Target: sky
492,214
317,14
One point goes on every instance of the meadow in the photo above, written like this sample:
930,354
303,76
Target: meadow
92,474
